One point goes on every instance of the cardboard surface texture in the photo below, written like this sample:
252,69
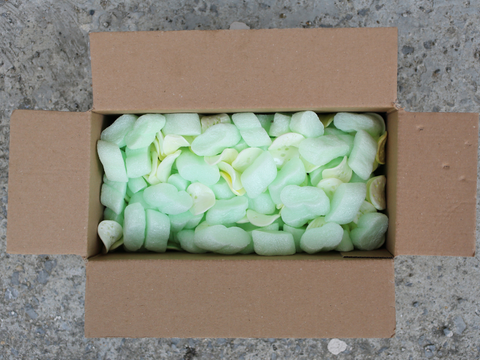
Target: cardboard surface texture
230,296
55,178
54,183
436,184
257,70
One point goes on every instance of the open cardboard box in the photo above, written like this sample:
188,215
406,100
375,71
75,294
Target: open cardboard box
55,179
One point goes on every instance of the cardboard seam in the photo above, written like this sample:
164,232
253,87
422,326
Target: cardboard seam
94,259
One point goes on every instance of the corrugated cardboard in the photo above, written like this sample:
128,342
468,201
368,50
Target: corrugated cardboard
435,182
430,195
182,295
258,70
54,183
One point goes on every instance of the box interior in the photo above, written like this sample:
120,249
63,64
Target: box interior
107,119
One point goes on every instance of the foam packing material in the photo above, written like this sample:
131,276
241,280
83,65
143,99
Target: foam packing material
251,129
222,190
341,172
109,232
227,155
134,227
363,154
164,169
245,158
194,169
203,198
306,198
242,145
144,131
182,124
317,175
266,121
233,175
295,217
268,242
216,139
121,187
157,231
209,121
307,123
346,202
116,132
112,160
325,238
376,192
222,240
171,143
285,148
138,198
259,175
109,214
346,243
112,198
227,211
323,149
293,173
185,220
179,182
366,207
138,162
167,198
259,219
186,238
280,125
136,184
370,231
262,204
297,234
271,184
369,122
286,140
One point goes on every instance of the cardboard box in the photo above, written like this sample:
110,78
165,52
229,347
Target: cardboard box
55,179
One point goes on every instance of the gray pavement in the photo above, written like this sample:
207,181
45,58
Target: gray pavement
44,64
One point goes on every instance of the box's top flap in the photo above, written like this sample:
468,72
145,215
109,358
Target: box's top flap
240,70
49,183
233,296
434,193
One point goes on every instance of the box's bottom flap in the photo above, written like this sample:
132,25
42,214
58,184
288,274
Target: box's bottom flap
304,297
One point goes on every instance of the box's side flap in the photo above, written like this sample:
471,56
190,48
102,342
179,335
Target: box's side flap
436,184
49,183
240,298
255,70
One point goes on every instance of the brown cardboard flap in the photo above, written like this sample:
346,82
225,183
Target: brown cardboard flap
432,191
222,296
53,174
256,70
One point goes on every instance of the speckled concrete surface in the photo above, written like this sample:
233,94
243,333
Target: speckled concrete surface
44,64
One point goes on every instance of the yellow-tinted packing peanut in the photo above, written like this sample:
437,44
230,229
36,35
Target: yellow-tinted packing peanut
261,220
326,119
376,192
203,198
380,157
109,232
341,172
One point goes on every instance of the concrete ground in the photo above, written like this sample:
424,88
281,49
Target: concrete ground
44,64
